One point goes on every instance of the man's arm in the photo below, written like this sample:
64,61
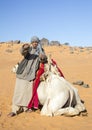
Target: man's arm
24,49
42,55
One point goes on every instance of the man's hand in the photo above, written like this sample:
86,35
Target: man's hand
26,46
41,56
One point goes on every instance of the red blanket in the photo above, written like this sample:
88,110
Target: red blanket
34,102
54,63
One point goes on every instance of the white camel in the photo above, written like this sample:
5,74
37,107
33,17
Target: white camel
58,96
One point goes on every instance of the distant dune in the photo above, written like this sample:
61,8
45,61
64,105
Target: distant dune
75,63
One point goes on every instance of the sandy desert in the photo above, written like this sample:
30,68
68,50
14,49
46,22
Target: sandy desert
75,63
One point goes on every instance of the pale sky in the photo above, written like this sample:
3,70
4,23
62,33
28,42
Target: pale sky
60,20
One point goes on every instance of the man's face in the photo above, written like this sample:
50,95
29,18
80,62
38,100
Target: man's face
34,44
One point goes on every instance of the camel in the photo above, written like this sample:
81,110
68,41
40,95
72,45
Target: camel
57,95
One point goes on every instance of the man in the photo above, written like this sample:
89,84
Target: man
25,77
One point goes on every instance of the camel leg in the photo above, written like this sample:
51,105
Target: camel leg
45,110
53,104
68,111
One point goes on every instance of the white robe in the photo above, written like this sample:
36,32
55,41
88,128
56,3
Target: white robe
22,92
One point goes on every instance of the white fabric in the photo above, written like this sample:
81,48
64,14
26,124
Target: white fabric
22,92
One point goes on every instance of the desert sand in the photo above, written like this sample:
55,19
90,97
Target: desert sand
75,63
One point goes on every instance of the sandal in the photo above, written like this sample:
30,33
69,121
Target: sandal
11,114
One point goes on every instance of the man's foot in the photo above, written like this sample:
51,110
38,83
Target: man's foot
35,108
11,114
29,110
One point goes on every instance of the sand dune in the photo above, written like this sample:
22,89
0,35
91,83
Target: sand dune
76,64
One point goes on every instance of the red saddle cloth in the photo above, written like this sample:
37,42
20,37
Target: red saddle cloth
34,102
54,63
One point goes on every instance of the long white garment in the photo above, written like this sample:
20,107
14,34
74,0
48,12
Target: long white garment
22,92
